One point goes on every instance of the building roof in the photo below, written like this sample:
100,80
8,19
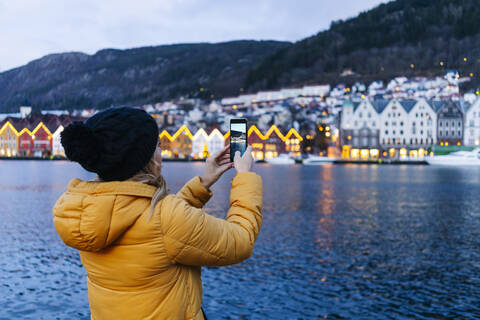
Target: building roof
463,105
355,105
408,104
380,105
436,104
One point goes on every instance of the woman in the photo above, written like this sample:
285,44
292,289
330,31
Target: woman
143,248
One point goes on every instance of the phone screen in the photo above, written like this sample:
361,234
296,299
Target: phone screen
238,136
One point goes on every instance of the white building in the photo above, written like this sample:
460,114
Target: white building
422,125
57,148
472,125
216,141
360,124
408,125
199,142
401,127
316,91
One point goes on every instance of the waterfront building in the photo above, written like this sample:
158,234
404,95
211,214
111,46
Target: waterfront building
472,125
394,134
181,145
256,140
165,142
57,148
408,128
292,143
8,138
450,123
422,125
274,143
199,143
397,128
41,140
215,141
25,139
56,124
360,129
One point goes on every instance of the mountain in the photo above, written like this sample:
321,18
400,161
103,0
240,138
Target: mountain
403,37
132,77
399,38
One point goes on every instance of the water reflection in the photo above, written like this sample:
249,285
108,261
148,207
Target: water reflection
337,241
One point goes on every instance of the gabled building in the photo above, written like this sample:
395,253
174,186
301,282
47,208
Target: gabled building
274,143
216,141
42,140
165,142
472,125
181,145
200,144
8,138
450,123
57,148
57,125
292,143
25,138
257,140
393,119
422,125
397,128
360,128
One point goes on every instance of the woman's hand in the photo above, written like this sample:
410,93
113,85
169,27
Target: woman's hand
243,163
215,166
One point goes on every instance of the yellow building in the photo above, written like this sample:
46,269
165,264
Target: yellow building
292,143
181,145
8,140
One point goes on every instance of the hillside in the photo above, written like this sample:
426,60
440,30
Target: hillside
134,76
404,37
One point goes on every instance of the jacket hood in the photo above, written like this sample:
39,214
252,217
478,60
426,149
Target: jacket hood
90,216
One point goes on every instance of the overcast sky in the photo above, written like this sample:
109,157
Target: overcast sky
30,29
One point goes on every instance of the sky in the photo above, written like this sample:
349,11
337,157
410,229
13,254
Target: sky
30,29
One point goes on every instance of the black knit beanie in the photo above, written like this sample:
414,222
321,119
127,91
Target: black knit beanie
115,143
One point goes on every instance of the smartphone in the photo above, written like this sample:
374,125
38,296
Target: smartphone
238,137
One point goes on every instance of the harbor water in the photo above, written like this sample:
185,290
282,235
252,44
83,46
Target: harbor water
337,242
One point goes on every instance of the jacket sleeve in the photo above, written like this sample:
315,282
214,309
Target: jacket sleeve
195,193
195,238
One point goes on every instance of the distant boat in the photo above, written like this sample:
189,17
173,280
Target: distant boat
459,158
317,160
281,159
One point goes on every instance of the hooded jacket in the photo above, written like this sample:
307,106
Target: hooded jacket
142,267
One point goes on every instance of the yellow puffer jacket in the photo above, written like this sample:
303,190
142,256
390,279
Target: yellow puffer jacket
141,268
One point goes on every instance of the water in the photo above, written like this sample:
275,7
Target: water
354,242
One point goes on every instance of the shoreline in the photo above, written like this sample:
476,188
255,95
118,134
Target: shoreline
336,162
